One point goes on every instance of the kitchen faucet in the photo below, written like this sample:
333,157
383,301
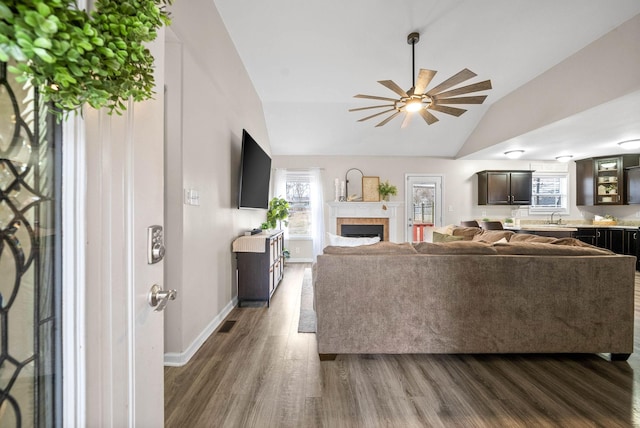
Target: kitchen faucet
551,219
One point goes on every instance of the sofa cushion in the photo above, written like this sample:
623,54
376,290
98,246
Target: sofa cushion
441,237
547,249
455,247
383,247
345,241
529,237
467,232
493,235
573,242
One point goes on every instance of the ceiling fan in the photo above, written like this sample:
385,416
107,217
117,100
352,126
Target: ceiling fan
418,99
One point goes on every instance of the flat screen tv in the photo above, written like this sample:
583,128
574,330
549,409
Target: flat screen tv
255,173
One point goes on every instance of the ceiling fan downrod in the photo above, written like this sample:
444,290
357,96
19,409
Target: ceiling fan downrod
412,39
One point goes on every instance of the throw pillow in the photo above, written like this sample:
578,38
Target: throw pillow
346,241
493,235
467,232
440,237
427,235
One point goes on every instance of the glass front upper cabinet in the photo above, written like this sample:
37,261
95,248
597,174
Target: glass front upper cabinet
609,179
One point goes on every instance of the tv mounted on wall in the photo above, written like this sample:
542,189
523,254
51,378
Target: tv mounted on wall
255,173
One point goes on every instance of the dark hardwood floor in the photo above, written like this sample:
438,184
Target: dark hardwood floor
263,373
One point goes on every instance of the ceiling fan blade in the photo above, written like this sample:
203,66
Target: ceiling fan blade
424,78
384,122
461,100
460,77
449,110
367,108
374,115
394,87
476,87
373,97
428,117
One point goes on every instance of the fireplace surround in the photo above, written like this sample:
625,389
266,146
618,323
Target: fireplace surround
383,214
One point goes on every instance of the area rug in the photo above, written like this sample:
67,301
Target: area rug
307,320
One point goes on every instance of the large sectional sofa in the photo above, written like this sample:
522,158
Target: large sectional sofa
492,292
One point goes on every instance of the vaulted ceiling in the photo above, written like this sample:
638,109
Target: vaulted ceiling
308,59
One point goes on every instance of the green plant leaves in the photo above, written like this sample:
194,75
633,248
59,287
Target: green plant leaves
76,57
278,211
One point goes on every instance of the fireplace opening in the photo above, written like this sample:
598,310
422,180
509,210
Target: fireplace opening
363,227
362,230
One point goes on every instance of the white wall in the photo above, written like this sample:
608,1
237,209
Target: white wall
460,186
210,99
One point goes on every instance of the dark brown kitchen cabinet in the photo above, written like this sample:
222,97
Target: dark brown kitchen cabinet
613,240
631,247
504,187
632,181
588,235
602,180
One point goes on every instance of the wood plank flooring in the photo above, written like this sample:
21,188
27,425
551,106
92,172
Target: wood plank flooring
263,373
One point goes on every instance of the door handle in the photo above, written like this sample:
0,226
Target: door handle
158,298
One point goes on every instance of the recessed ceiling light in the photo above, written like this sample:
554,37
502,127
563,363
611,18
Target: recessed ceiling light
514,154
630,144
564,158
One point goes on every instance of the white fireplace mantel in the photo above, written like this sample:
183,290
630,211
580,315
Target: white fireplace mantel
366,210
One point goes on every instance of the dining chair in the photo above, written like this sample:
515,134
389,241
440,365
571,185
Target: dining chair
491,225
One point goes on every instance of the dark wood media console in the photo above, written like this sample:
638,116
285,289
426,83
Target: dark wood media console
259,273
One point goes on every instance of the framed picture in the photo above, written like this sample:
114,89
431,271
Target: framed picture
370,189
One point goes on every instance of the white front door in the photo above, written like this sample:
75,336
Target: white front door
423,202
125,188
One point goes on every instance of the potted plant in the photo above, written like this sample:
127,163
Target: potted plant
76,57
277,213
385,189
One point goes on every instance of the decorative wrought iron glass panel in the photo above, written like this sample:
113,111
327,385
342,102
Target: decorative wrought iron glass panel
29,301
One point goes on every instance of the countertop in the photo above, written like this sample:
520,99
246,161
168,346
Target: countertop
565,227
543,227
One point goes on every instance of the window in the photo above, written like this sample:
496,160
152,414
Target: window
549,193
298,189
302,188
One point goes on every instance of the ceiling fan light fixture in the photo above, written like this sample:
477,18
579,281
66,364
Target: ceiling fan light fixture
564,158
413,105
514,154
422,100
630,144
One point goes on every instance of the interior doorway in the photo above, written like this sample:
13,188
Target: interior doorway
423,202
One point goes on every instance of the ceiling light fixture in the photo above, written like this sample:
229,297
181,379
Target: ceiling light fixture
564,158
514,154
630,144
413,105
418,99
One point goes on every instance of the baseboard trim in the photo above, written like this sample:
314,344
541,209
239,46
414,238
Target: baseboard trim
178,359
299,260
